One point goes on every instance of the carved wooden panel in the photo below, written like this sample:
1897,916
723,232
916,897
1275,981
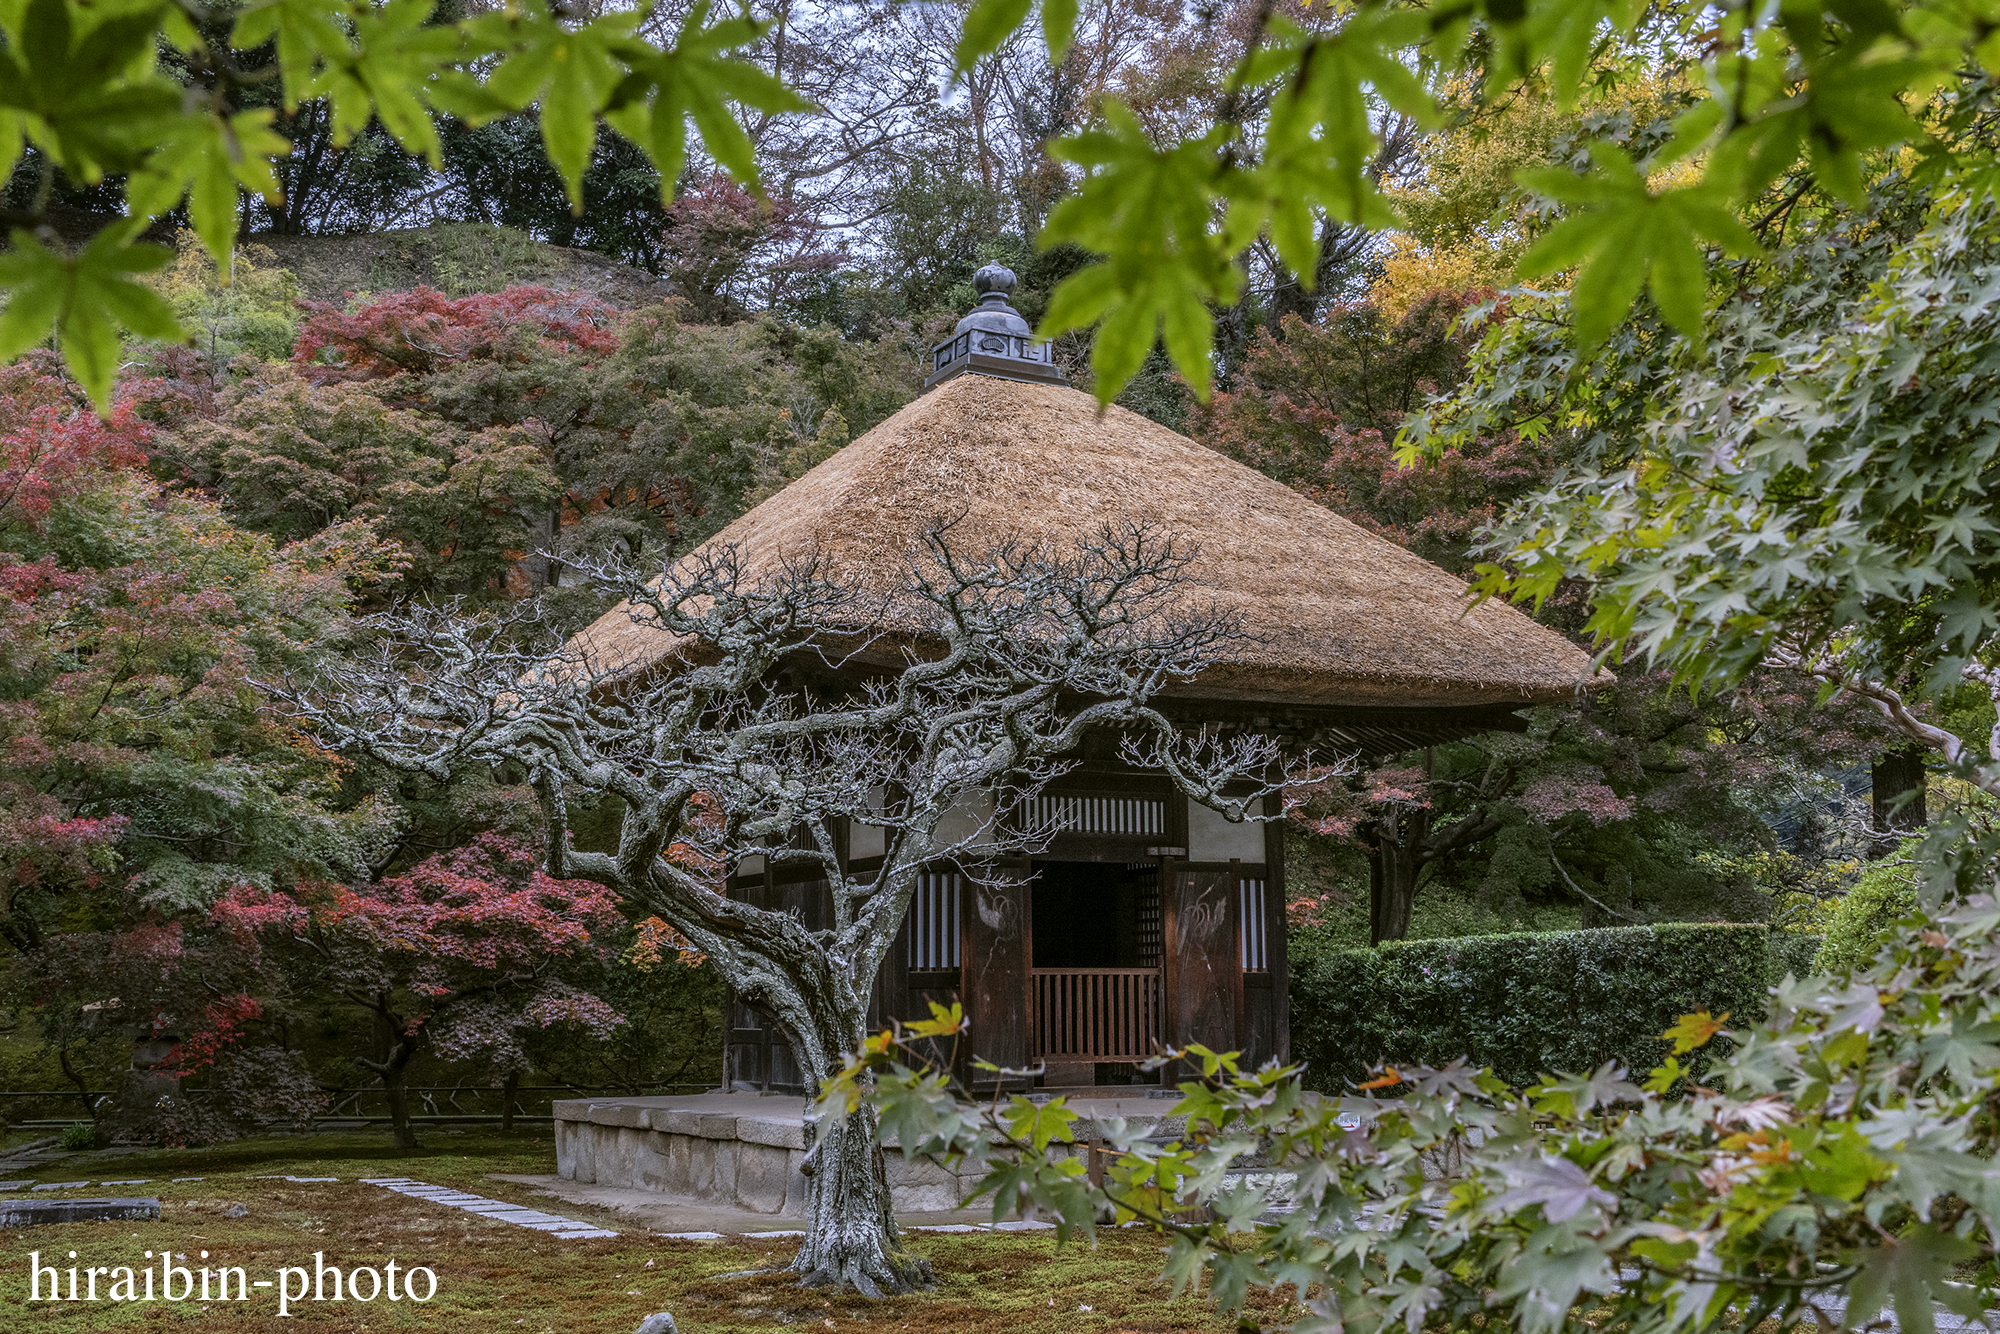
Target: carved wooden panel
994,967
1204,979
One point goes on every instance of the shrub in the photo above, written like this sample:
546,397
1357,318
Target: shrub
1528,1002
1795,952
81,1135
1864,918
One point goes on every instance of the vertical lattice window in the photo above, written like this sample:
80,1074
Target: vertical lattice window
1100,815
934,922
1149,924
1256,947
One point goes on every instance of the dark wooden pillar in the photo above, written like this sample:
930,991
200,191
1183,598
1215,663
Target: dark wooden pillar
1265,1018
1274,913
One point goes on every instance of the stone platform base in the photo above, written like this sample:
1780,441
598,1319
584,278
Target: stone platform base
743,1150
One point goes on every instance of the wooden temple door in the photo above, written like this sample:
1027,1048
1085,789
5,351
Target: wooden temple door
757,1053
1203,976
995,912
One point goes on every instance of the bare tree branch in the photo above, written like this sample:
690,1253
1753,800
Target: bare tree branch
787,709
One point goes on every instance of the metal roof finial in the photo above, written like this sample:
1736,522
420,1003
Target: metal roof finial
994,277
993,339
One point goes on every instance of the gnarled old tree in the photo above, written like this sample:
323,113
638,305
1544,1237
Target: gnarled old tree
790,708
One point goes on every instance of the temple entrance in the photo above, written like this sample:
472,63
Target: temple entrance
1095,946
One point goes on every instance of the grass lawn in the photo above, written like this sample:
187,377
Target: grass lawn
501,1277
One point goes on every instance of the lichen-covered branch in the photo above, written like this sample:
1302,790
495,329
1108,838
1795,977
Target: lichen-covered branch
1890,703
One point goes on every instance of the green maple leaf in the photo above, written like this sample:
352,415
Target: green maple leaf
84,300
306,33
1321,136
207,158
86,95
13,138
571,71
987,24
1909,1272
368,61
698,81
1149,209
1627,239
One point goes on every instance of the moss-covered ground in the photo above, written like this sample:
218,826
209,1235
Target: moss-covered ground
495,1276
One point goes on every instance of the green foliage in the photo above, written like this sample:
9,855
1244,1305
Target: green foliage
1866,917
1835,1152
1813,476
1793,87
1522,1004
79,1136
134,623
82,301
250,307
1796,953
672,1030
461,258
1813,89
82,85
293,459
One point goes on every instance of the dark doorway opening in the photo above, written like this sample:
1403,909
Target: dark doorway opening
1096,915
1092,915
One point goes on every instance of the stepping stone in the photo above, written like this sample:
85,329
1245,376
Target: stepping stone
309,1180
1021,1225
949,1227
139,1182
178,1180
15,1185
498,1210
754,1235
61,1185
693,1236
521,1216
30,1213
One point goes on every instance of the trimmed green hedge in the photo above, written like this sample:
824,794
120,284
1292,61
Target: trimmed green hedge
1529,1003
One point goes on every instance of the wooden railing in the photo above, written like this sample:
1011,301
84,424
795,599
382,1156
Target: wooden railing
1106,1014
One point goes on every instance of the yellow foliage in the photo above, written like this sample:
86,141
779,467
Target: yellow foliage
1412,271
254,309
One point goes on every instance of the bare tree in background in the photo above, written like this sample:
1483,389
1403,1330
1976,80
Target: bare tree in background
989,673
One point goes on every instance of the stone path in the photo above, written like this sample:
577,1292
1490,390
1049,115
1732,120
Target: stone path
477,1204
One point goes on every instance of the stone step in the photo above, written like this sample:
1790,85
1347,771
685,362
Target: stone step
29,1213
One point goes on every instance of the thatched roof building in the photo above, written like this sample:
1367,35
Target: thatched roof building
1146,918
1336,617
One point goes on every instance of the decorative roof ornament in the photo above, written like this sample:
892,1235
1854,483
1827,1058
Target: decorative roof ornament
993,339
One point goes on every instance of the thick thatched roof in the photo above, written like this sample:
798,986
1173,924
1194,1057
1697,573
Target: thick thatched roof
1341,618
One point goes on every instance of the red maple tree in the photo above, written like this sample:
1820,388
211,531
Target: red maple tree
423,330
464,954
